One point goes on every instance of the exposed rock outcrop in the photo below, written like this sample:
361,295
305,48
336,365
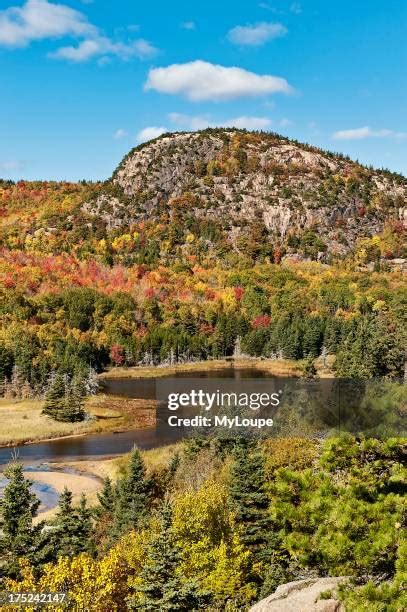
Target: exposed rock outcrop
303,596
237,179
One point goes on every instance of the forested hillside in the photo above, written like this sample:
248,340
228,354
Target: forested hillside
218,524
199,244
205,246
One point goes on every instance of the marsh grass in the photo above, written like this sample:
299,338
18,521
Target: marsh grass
22,421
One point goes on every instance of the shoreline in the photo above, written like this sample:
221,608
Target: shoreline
282,367
123,414
67,437
135,414
58,478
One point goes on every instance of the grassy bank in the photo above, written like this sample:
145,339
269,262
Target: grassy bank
278,367
23,422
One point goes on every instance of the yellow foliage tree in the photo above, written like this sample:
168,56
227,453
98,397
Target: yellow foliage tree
100,585
211,549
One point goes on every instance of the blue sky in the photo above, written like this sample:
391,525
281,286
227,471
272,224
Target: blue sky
83,81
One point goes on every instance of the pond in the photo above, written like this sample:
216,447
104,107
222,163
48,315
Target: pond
98,446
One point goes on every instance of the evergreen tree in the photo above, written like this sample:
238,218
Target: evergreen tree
161,587
132,495
18,537
106,498
55,397
6,362
71,528
313,336
73,410
85,526
249,497
310,371
64,399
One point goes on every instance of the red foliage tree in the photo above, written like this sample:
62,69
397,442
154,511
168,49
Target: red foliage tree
261,321
239,293
117,354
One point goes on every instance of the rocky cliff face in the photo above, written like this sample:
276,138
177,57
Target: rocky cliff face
241,179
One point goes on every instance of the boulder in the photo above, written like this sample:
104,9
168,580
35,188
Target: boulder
302,596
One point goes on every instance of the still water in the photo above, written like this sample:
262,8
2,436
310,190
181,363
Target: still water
97,446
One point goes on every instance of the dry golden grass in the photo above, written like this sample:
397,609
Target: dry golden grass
100,468
155,459
22,421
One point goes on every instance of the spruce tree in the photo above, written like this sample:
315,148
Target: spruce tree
18,536
161,587
73,410
71,527
106,498
249,497
85,525
310,371
64,399
55,397
132,495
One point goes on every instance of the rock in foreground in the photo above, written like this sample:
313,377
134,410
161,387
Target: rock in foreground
302,596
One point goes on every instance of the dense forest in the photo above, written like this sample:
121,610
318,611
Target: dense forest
217,524
204,246
61,313
104,274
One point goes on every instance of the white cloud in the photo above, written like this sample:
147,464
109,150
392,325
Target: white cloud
361,133
12,165
249,123
267,7
151,132
256,34
188,25
296,8
39,19
195,123
103,46
190,122
285,122
83,52
201,80
143,49
120,133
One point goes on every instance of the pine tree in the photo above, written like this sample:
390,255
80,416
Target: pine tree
64,399
132,495
310,371
84,514
6,363
161,587
249,497
18,537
